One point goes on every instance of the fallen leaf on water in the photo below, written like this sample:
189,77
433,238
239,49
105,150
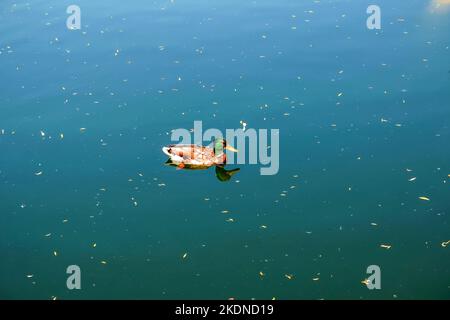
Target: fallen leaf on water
38,173
289,276
94,245
48,235
230,220
424,198
261,274
185,255
263,226
385,246
315,279
412,179
30,275
224,211
55,253
365,282
103,262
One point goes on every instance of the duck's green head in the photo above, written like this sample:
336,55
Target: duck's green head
220,145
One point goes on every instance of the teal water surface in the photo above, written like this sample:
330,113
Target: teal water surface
364,119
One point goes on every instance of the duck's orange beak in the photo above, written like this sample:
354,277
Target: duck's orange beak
231,148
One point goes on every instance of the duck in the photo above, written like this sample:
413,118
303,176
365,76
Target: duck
193,156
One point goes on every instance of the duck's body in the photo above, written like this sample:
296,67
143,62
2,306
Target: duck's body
198,156
191,154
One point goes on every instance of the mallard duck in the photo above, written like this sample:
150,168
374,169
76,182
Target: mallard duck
193,156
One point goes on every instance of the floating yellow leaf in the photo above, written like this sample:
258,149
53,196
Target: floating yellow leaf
424,198
365,282
261,274
385,246
289,276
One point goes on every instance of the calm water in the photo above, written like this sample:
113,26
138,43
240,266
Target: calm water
360,112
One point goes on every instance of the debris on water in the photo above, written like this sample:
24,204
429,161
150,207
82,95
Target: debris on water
424,198
103,262
412,179
365,282
30,275
230,220
385,246
55,253
289,276
315,279
243,124
94,245
47,235
261,274
224,211
263,226
82,130
185,255
445,243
